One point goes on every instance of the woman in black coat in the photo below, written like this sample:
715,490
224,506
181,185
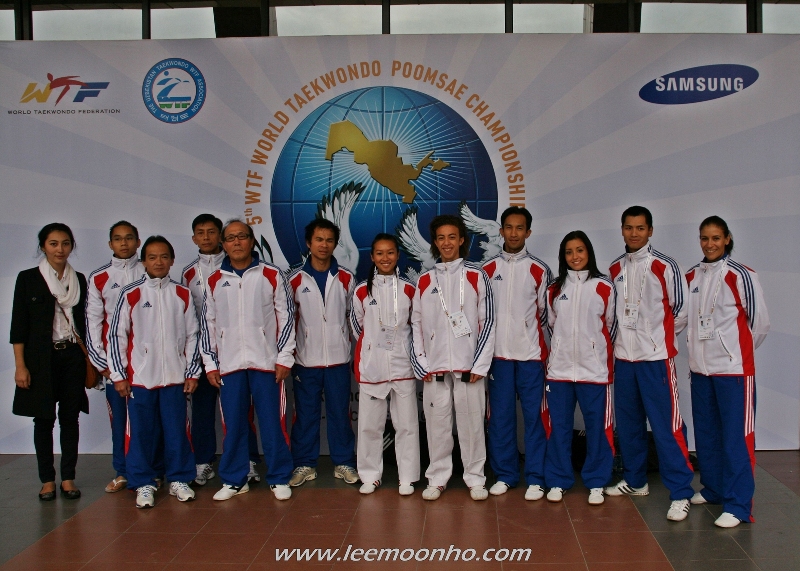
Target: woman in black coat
46,321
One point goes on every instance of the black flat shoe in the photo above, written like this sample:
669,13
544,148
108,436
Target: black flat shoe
47,496
68,494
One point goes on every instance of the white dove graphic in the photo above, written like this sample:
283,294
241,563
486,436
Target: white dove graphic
336,207
489,228
414,244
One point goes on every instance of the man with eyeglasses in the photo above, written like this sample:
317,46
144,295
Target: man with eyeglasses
248,345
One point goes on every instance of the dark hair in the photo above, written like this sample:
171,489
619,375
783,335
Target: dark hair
521,210
240,221
562,258
449,220
322,224
122,223
203,218
157,240
717,221
54,227
378,238
638,211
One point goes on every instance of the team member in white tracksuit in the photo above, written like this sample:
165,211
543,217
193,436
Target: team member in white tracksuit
519,283
381,320
582,315
155,363
453,330
104,286
728,320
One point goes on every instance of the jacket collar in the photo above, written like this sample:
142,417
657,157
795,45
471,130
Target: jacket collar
580,276
156,283
715,265
333,270
514,257
450,267
640,254
226,266
213,260
124,265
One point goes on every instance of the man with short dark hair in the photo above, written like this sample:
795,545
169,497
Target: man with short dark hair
322,289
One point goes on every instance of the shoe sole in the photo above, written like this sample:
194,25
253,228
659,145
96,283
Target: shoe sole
144,507
616,494
304,480
179,499
337,475
498,493
559,500
116,489
239,493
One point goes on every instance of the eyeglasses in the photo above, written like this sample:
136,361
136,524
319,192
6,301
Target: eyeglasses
234,237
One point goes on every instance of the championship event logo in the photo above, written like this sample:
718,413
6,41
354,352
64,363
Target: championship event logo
174,90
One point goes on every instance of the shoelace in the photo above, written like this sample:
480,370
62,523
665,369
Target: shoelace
146,492
181,486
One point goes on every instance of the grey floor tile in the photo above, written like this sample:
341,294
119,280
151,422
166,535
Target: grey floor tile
717,565
769,543
699,545
778,564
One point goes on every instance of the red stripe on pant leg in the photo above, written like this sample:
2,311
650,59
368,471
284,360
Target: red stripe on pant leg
677,421
110,414
222,421
189,426
282,389
127,427
609,423
681,442
545,414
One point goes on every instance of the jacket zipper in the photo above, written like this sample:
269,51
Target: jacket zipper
575,307
509,287
721,340
161,321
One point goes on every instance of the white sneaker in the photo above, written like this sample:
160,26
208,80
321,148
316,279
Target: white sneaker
204,473
253,475
346,473
227,491
478,493
555,495
432,492
622,488
596,496
406,489
534,492
499,488
369,488
727,520
698,499
182,491
281,491
301,475
678,510
145,497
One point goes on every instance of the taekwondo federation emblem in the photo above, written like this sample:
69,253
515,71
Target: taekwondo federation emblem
174,90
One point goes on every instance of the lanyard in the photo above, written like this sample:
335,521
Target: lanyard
200,274
716,289
394,295
644,279
460,295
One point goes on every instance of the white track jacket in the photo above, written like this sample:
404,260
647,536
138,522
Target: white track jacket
368,314
248,321
740,319
436,349
153,335
662,309
195,276
583,319
323,336
519,284
104,287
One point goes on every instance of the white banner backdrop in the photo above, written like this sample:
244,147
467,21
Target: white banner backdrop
381,133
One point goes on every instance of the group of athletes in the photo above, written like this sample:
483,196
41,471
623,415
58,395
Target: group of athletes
237,327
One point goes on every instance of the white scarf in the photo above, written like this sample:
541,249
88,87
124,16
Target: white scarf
66,298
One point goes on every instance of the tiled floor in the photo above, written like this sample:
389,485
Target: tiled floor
106,532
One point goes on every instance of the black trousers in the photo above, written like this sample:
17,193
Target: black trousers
68,370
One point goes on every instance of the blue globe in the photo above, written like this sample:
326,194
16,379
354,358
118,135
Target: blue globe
418,124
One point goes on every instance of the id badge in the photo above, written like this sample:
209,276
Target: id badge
630,316
386,338
705,326
459,325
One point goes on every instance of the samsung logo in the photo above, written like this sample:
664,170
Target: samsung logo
696,84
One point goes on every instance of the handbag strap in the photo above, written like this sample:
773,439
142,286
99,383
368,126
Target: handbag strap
74,332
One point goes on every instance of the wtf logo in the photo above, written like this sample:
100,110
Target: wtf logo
63,85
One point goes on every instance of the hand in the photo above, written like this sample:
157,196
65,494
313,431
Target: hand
123,388
428,378
190,386
214,379
474,378
22,377
106,373
281,373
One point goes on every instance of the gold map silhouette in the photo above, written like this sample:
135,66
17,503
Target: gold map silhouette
381,159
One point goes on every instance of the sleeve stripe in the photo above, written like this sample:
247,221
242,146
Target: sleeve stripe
489,323
749,295
676,281
287,328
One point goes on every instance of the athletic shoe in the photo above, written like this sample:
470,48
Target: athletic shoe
596,496
698,499
432,492
253,475
678,510
478,493
301,475
204,473
145,497
346,473
369,488
499,488
622,488
182,491
727,520
117,484
534,492
555,495
281,491
406,489
227,492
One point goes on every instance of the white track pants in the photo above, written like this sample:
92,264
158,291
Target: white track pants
372,405
469,401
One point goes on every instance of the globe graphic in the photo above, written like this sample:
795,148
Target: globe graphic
420,126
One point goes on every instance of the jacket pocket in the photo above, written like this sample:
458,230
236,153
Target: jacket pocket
724,346
650,335
594,352
554,344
